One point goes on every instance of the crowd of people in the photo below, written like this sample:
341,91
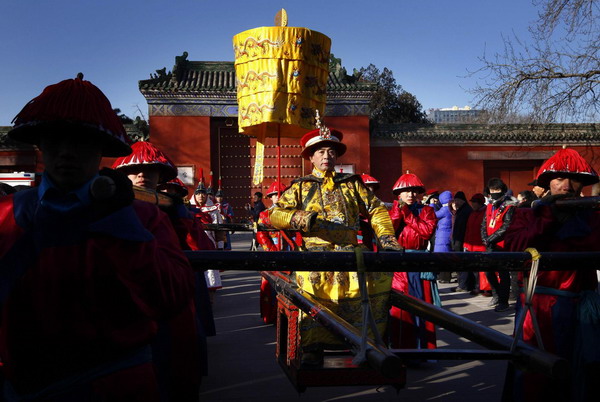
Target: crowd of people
338,212
99,303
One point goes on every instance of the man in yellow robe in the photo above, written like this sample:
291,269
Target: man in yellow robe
325,206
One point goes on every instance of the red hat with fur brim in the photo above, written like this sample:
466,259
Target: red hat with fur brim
318,138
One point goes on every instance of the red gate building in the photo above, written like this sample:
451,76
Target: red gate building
193,118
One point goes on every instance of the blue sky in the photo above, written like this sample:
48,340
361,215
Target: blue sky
429,45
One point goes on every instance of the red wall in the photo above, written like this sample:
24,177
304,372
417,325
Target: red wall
387,167
356,137
448,168
185,139
444,168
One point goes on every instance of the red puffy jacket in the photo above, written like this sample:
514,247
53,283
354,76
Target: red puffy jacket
414,229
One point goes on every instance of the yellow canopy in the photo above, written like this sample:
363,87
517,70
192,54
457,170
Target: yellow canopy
281,75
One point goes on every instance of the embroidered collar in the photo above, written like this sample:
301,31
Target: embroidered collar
321,174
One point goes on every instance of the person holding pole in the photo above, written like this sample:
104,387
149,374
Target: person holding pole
180,348
86,271
565,309
272,241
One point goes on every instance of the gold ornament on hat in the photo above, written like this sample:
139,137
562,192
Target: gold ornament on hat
324,132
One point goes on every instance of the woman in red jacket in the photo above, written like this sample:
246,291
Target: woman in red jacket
414,224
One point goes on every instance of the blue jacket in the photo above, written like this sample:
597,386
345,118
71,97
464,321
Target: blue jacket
443,232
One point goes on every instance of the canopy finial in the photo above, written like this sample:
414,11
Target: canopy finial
281,18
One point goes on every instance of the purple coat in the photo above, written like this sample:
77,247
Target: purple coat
443,232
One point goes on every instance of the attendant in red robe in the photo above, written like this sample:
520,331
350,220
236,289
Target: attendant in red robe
366,235
272,241
414,224
86,273
565,302
192,236
179,351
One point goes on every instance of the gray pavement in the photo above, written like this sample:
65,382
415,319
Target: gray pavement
242,365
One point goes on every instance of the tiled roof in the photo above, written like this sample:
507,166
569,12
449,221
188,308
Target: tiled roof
197,76
218,78
538,134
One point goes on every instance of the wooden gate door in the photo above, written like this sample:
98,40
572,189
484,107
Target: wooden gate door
235,164
515,173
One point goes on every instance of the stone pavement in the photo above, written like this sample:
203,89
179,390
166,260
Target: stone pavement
242,365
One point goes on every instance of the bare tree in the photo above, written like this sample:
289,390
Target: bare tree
555,77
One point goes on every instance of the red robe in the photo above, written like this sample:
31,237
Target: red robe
90,295
180,350
473,242
269,241
414,229
556,314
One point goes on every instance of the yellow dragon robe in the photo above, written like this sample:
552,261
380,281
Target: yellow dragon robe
337,199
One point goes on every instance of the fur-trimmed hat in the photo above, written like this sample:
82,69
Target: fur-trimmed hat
315,139
72,103
147,154
568,163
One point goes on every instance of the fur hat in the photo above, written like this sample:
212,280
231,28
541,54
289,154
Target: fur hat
568,163
321,137
147,154
72,103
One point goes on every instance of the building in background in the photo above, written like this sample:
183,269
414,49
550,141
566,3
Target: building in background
453,115
193,118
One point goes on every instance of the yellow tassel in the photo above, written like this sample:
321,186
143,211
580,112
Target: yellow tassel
259,163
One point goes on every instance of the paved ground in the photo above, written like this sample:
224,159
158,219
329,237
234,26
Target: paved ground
242,361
